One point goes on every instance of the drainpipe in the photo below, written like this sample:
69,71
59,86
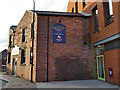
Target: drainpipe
13,37
48,50
32,49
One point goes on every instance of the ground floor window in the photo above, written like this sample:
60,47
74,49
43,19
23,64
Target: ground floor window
9,57
23,57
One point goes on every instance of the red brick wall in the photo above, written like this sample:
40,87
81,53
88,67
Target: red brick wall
41,61
67,61
111,61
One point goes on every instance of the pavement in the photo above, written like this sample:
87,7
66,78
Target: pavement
16,82
19,83
76,84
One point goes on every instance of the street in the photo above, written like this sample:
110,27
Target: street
16,82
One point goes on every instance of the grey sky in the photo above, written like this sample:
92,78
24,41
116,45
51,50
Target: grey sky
12,11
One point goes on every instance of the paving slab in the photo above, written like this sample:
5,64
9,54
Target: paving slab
76,84
22,84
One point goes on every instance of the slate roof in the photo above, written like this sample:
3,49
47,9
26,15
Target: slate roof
52,13
13,27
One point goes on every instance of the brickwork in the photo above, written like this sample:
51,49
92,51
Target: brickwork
8,66
112,62
66,61
24,70
105,31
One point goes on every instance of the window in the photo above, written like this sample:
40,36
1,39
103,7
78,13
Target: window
24,34
84,3
23,57
108,11
95,16
9,57
76,5
10,40
73,10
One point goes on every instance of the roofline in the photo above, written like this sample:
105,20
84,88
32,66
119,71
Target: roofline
53,13
13,26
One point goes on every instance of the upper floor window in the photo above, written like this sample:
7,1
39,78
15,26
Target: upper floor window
76,5
24,34
95,16
10,40
84,3
23,56
108,11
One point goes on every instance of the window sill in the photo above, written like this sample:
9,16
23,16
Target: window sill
23,64
109,23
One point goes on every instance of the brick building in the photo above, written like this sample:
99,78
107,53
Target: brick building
61,50
105,36
3,60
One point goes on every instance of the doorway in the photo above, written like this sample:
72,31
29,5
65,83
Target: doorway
14,64
100,67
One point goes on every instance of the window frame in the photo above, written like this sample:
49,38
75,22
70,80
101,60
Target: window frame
108,12
95,17
9,57
23,57
84,3
76,6
24,35
10,40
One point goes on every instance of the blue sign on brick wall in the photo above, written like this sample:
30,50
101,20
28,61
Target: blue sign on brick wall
59,33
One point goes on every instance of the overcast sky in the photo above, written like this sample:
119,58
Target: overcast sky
11,12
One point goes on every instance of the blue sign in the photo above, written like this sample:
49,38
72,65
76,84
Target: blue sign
59,33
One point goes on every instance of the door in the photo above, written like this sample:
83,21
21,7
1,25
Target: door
14,64
100,67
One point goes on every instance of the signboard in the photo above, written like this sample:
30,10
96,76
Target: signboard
59,33
15,50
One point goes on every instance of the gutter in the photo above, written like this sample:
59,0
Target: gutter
48,50
32,36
